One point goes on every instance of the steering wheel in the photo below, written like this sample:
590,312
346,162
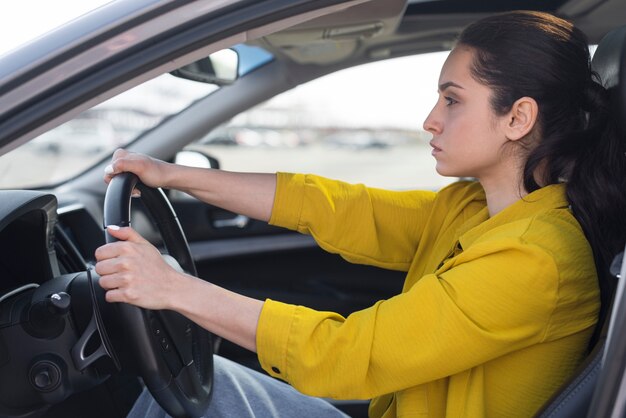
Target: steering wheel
173,355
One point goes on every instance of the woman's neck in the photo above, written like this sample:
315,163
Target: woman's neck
501,193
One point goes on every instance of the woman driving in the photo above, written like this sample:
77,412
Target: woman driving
502,290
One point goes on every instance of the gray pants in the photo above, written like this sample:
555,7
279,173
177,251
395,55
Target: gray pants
243,393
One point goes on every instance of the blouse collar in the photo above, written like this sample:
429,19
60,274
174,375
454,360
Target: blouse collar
541,200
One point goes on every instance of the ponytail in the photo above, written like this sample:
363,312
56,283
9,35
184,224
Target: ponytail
596,190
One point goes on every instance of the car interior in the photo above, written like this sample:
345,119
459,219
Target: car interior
63,352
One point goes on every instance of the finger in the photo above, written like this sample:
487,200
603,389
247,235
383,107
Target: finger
114,295
126,234
131,162
116,249
122,295
123,161
114,168
107,266
119,153
111,171
113,281
118,265
108,173
108,251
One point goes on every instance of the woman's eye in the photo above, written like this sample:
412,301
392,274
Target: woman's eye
450,101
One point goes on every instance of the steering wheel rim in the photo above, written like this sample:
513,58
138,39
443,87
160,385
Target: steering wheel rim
173,355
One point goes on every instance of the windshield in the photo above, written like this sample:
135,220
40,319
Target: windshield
71,148
372,133
369,130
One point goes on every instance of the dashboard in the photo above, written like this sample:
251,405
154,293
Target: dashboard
48,296
77,236
40,240
27,222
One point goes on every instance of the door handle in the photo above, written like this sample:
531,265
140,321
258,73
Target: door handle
239,221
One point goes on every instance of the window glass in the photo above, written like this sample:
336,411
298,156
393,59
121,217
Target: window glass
73,147
361,125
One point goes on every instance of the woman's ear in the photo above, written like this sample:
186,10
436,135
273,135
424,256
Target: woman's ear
522,118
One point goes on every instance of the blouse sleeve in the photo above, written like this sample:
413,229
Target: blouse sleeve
478,310
364,225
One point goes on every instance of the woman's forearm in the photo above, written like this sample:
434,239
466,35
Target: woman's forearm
224,313
250,194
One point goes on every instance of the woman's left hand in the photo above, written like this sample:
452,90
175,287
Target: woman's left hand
133,271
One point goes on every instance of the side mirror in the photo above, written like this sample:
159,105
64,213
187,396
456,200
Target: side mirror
196,159
219,68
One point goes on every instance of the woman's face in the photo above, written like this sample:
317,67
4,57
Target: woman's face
467,134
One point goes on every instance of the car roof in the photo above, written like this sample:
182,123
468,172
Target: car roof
388,28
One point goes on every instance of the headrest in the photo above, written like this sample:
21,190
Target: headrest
609,61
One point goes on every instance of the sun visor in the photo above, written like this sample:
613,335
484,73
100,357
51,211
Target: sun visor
333,37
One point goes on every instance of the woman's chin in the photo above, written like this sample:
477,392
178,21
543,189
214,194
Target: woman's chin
444,171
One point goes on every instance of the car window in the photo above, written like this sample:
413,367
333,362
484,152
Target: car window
65,151
362,124
76,145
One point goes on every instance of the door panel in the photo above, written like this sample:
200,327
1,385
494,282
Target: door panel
263,261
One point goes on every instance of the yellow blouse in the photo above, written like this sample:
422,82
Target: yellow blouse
495,312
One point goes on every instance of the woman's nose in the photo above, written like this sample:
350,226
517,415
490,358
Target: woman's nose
432,123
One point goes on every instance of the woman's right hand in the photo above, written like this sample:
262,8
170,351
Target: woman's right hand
249,194
151,172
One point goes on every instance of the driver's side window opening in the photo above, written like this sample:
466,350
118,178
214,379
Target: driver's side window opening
361,125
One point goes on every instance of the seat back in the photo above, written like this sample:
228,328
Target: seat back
609,62
576,396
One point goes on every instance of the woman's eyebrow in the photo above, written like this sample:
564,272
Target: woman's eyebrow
447,84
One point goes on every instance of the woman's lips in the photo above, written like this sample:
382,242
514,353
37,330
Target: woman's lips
436,149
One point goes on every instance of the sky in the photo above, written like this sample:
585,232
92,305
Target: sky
395,93
21,21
